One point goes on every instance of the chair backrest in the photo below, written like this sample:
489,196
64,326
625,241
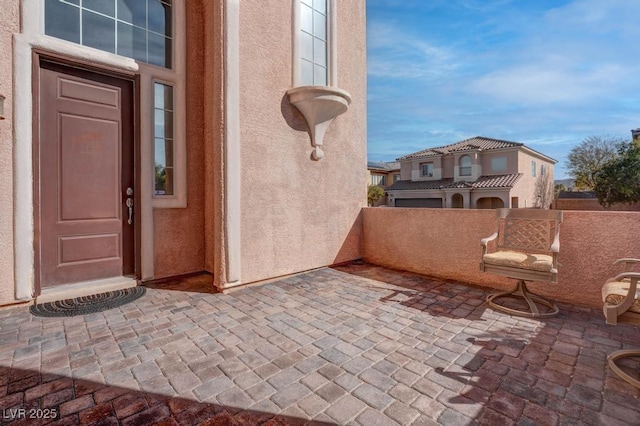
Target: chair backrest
528,229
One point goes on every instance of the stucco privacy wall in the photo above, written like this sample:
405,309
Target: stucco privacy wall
9,23
179,233
298,214
445,243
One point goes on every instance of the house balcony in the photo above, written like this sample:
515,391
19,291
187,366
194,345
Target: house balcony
403,338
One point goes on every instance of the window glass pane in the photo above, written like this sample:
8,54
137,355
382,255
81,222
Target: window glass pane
309,2
62,21
132,42
306,19
107,7
163,97
306,50
319,75
319,52
160,17
163,141
307,73
320,5
319,26
163,127
499,164
168,149
159,50
98,31
133,12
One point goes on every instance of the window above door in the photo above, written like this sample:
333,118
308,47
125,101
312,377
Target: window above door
138,29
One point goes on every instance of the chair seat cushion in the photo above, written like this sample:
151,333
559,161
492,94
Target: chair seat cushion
514,259
614,293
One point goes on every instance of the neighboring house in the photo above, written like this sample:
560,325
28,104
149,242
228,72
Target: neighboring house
383,174
152,138
477,173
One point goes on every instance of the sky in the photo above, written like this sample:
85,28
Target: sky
547,73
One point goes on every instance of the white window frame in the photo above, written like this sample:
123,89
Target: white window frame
332,47
470,166
533,168
429,165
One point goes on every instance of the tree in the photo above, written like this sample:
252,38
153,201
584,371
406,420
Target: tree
618,181
589,156
374,193
543,191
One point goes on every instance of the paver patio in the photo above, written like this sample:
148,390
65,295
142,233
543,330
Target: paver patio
357,344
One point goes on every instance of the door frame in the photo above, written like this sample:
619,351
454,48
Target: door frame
37,57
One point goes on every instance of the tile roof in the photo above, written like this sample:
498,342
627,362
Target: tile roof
387,166
483,182
478,142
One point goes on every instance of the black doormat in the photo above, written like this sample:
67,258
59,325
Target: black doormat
88,304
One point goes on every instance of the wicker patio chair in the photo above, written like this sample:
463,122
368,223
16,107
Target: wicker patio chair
527,243
621,298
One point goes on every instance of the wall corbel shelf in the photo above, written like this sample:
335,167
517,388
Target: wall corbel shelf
319,105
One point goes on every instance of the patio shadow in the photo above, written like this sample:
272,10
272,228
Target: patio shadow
31,395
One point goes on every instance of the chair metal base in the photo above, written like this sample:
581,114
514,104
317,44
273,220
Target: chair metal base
614,356
521,291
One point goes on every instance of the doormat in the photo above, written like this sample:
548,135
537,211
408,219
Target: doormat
88,304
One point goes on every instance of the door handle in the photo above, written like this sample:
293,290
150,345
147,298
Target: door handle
129,203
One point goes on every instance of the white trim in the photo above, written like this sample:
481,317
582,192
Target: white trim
233,176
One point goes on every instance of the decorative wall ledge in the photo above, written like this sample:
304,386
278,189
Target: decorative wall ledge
319,105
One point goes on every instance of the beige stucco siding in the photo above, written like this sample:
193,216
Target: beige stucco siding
9,23
179,233
297,213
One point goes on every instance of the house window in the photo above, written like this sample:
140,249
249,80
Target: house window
533,168
313,43
543,169
499,164
465,165
163,138
138,29
396,177
380,180
427,169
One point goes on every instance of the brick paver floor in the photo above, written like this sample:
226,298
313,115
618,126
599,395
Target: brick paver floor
359,345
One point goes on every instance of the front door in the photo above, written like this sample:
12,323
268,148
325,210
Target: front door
85,166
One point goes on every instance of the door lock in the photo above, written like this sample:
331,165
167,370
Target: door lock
129,204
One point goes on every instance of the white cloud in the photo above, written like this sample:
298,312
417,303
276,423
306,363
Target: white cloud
395,53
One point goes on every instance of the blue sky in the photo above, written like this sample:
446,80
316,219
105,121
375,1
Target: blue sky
545,73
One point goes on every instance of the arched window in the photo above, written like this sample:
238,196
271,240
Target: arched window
465,165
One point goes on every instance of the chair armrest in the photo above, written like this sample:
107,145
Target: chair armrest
628,263
555,246
630,275
485,241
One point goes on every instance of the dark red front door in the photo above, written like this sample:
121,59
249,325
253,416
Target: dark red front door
85,166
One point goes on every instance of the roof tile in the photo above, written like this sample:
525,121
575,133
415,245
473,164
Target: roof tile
483,182
478,142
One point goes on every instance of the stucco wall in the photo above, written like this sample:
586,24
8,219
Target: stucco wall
179,233
298,214
445,243
591,204
9,23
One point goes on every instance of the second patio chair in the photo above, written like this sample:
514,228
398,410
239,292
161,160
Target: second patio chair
526,246
621,298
